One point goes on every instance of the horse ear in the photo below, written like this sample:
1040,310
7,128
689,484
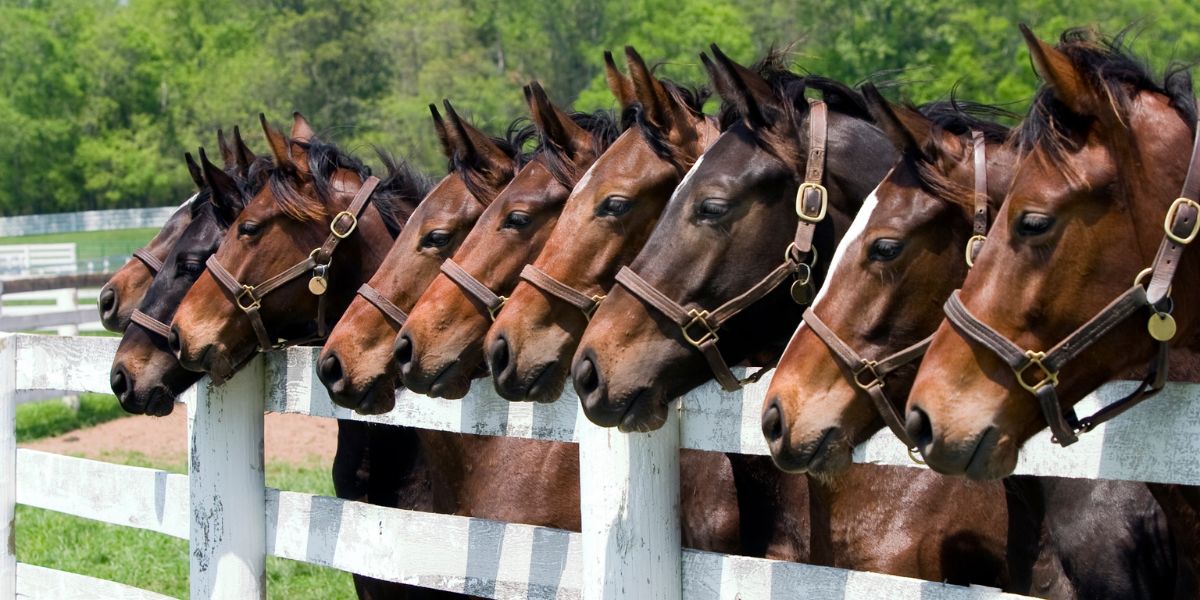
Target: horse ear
1057,70
226,197
475,148
302,134
301,130
443,133
555,125
908,130
194,170
620,85
227,155
278,143
650,91
243,154
747,90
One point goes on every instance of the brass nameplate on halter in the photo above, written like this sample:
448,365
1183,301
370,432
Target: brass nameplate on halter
803,292
319,282
1161,326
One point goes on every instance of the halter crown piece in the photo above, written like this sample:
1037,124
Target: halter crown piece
699,327
869,375
1180,228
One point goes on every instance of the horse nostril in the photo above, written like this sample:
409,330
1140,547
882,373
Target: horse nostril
498,355
330,369
119,381
772,421
587,379
919,427
402,353
173,341
107,300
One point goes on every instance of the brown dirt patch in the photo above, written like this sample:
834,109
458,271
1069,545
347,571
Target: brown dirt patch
294,439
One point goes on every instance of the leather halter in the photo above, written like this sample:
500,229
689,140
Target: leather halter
249,297
698,326
1180,227
152,263
869,375
473,288
553,287
391,312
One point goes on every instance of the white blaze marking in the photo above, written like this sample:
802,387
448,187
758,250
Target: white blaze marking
190,200
686,179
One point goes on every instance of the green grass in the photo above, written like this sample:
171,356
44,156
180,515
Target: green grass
92,244
52,417
158,562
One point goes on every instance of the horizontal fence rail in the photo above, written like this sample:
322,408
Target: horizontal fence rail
88,220
212,506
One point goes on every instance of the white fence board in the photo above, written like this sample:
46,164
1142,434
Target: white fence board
38,583
446,552
23,260
117,494
8,466
88,220
76,364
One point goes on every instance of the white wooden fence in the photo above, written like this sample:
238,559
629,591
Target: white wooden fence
25,260
629,546
88,220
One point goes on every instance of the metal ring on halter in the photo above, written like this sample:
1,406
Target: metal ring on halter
1050,378
913,453
787,254
492,311
1143,274
247,290
975,239
596,300
699,316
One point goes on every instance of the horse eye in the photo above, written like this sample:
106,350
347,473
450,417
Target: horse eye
712,208
248,228
615,206
191,268
1033,224
885,249
438,238
517,219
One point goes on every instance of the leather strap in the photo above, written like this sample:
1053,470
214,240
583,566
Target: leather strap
390,311
979,220
153,264
473,288
249,297
557,289
698,326
150,323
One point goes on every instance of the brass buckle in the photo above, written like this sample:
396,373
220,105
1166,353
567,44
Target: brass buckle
492,311
800,202
1049,378
333,225
1174,210
699,316
247,291
596,300
975,239
867,366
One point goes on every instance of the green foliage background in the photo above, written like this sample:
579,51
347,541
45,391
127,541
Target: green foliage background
100,98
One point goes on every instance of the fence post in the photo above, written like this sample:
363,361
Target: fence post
629,491
228,493
8,466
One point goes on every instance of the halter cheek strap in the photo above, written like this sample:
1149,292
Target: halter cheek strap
699,327
474,288
1180,227
979,220
152,263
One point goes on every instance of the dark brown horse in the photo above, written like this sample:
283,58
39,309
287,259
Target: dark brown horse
605,221
440,348
123,292
1104,152
727,225
480,166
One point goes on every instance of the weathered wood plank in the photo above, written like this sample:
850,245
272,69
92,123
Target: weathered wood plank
717,576
227,491
446,552
76,364
35,583
8,466
117,494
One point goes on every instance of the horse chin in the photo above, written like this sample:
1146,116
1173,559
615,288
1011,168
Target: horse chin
987,455
379,398
647,412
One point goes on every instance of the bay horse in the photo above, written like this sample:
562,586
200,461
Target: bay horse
605,221
723,231
1104,151
480,167
440,348
123,292
907,249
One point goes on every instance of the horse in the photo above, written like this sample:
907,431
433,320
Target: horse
901,259
717,242
605,221
1104,152
480,167
124,289
439,350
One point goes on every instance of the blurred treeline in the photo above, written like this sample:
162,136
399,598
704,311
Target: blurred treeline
100,98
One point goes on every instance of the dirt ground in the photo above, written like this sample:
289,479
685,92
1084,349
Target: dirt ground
296,439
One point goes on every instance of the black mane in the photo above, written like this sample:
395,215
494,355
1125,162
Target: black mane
1109,66
604,129
398,193
791,87
256,178
514,143
691,98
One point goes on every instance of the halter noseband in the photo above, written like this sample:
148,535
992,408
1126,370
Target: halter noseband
249,297
553,287
473,288
869,375
1180,227
698,326
151,262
